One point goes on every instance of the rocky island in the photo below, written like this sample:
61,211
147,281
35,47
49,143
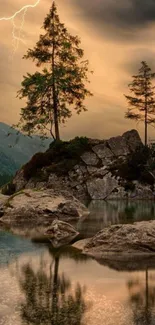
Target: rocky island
91,169
53,186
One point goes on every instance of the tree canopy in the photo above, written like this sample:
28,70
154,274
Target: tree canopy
142,103
52,93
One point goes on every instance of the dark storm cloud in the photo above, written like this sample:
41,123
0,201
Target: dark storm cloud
136,57
118,16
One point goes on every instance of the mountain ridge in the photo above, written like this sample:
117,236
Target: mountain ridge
16,148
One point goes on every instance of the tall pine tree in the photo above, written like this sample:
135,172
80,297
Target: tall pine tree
142,103
61,86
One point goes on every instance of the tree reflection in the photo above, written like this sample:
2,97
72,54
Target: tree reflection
142,299
50,298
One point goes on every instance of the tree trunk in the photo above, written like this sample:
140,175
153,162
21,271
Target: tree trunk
145,126
56,123
146,108
55,292
55,100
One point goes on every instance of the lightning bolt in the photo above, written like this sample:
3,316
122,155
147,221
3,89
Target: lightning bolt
17,38
17,31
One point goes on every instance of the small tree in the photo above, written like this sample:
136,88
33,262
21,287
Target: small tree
60,87
142,105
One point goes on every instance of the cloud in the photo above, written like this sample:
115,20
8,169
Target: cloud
118,18
138,55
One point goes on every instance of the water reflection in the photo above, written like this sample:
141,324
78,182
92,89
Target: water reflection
105,213
142,298
63,287
50,297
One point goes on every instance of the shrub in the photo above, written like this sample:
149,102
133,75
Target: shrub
146,178
136,167
38,161
8,189
129,186
60,157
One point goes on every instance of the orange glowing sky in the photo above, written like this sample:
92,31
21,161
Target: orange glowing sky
116,37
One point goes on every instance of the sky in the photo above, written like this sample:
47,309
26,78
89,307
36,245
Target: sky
115,35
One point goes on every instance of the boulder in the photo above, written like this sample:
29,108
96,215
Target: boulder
133,140
101,188
40,208
80,244
91,169
120,241
19,180
61,233
102,151
118,145
90,158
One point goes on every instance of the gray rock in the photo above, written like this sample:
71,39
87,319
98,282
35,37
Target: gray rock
90,158
119,193
61,233
141,192
123,240
97,172
41,208
133,139
102,151
80,244
100,172
91,169
118,146
19,181
100,189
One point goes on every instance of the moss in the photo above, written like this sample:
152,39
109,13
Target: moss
59,158
8,202
134,168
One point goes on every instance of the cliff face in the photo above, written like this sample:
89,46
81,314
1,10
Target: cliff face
102,171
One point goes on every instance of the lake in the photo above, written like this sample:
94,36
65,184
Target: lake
42,286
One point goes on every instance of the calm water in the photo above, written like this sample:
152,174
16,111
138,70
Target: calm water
42,286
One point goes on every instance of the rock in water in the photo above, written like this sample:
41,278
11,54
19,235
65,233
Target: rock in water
61,233
39,208
123,241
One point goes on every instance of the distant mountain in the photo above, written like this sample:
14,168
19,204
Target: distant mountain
17,149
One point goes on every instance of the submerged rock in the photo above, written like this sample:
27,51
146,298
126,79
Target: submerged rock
61,233
123,240
40,208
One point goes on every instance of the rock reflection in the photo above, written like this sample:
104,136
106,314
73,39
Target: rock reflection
106,213
50,297
142,299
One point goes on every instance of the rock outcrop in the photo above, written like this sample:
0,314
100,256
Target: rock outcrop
34,208
61,233
95,176
123,241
